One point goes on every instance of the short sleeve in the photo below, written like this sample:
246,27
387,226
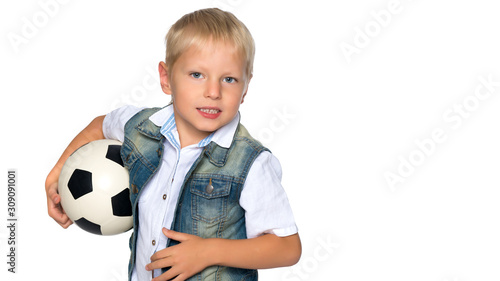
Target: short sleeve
267,209
113,125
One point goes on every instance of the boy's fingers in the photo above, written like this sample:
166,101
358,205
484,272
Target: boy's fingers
56,199
168,275
54,207
174,235
159,263
168,233
161,254
59,216
64,221
67,223
52,193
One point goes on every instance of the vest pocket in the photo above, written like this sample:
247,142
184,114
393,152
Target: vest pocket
209,198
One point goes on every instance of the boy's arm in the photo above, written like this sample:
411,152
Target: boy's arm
194,254
92,132
266,251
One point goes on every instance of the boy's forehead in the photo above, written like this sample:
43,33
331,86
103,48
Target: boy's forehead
212,47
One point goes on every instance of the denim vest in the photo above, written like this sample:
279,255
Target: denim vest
208,204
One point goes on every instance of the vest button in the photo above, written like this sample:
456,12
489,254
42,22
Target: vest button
134,188
209,189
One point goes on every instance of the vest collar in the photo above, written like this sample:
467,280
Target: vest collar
149,129
217,154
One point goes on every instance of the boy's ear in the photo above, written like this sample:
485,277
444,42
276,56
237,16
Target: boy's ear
164,79
246,89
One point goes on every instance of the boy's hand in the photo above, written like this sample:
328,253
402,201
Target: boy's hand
194,254
91,133
185,259
54,206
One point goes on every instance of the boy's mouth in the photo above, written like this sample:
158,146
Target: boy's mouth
209,112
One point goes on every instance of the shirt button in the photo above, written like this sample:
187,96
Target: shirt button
153,242
164,196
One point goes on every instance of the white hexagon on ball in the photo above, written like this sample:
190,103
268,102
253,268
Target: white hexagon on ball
93,186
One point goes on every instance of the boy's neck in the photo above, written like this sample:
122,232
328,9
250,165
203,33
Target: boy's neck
190,136
186,140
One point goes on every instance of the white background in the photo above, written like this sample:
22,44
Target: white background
338,123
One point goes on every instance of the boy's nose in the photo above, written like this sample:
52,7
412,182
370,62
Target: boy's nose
213,90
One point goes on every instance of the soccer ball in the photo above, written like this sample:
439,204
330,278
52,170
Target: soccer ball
93,186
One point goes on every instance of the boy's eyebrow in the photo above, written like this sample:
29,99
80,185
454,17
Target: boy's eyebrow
198,68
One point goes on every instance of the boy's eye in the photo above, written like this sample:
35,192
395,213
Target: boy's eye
229,80
196,75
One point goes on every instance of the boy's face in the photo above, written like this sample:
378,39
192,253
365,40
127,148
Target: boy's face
207,87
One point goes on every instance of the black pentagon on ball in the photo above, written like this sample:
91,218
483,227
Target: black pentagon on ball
121,204
113,154
89,226
80,183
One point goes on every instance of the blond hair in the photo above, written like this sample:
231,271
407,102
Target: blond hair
199,27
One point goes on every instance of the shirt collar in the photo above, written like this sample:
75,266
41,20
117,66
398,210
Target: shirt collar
164,118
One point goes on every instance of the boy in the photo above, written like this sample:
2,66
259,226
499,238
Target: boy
206,196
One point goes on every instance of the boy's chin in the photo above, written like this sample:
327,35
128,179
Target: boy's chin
209,128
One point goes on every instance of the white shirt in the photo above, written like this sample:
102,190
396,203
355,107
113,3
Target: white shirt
157,201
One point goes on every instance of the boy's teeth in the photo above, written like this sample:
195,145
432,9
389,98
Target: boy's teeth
209,111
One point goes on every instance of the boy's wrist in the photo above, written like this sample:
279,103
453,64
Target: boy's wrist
212,251
53,175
